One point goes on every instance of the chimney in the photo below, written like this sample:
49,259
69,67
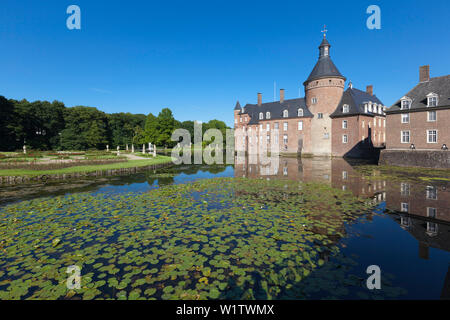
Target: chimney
369,89
281,95
424,73
259,99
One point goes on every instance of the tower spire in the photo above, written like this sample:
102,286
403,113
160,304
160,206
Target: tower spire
324,31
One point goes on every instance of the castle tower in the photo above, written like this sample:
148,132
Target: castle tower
323,91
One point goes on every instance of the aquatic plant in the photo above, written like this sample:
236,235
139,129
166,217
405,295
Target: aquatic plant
212,239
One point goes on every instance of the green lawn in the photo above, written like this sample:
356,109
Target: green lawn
121,165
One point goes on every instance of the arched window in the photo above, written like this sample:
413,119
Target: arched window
285,114
300,112
261,116
267,115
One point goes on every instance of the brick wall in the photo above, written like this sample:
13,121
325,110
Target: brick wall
418,126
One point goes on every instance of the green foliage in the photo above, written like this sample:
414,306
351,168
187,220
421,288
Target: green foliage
166,126
151,128
86,127
122,127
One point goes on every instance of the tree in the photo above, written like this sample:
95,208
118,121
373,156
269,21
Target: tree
166,126
86,128
151,128
8,125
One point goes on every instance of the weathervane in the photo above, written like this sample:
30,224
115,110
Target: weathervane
324,31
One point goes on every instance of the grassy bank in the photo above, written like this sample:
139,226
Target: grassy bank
88,168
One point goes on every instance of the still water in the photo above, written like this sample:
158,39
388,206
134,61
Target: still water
407,234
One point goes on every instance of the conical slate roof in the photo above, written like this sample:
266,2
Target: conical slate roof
325,67
238,106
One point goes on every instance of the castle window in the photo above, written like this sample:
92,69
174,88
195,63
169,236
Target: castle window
344,124
285,139
260,127
268,127
285,126
285,114
432,136
432,116
432,193
235,121
261,116
320,116
344,138
405,137
405,117
326,135
300,125
240,119
277,126
404,207
431,212
432,100
267,115
313,100
345,108
405,104
300,112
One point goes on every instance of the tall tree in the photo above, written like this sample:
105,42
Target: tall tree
166,126
151,128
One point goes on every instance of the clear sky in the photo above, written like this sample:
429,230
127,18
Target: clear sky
199,57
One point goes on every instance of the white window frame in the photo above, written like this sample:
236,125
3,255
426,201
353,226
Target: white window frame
314,100
404,207
344,124
285,114
345,108
300,125
432,100
285,139
405,117
344,138
276,126
267,115
261,116
428,136
285,126
300,112
267,126
405,103
320,115
435,116
409,136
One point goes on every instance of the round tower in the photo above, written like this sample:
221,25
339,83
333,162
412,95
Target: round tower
323,92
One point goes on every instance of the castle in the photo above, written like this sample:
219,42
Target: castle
328,121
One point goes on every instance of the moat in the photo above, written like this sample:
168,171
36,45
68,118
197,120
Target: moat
301,229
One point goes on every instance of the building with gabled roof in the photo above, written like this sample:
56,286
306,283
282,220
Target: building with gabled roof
420,119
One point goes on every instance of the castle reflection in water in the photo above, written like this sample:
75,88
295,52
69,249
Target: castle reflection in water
422,209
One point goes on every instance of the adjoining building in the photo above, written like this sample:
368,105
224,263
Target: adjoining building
418,124
420,119
326,122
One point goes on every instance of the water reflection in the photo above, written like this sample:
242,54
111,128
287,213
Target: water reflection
423,209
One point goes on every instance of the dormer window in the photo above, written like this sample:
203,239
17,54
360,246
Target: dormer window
405,103
261,116
267,115
300,112
370,107
285,114
345,108
432,100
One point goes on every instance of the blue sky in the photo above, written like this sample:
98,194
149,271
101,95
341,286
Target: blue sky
199,57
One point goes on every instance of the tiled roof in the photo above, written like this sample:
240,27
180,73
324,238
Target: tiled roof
276,110
355,99
418,95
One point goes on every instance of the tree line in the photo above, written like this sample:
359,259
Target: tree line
43,125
